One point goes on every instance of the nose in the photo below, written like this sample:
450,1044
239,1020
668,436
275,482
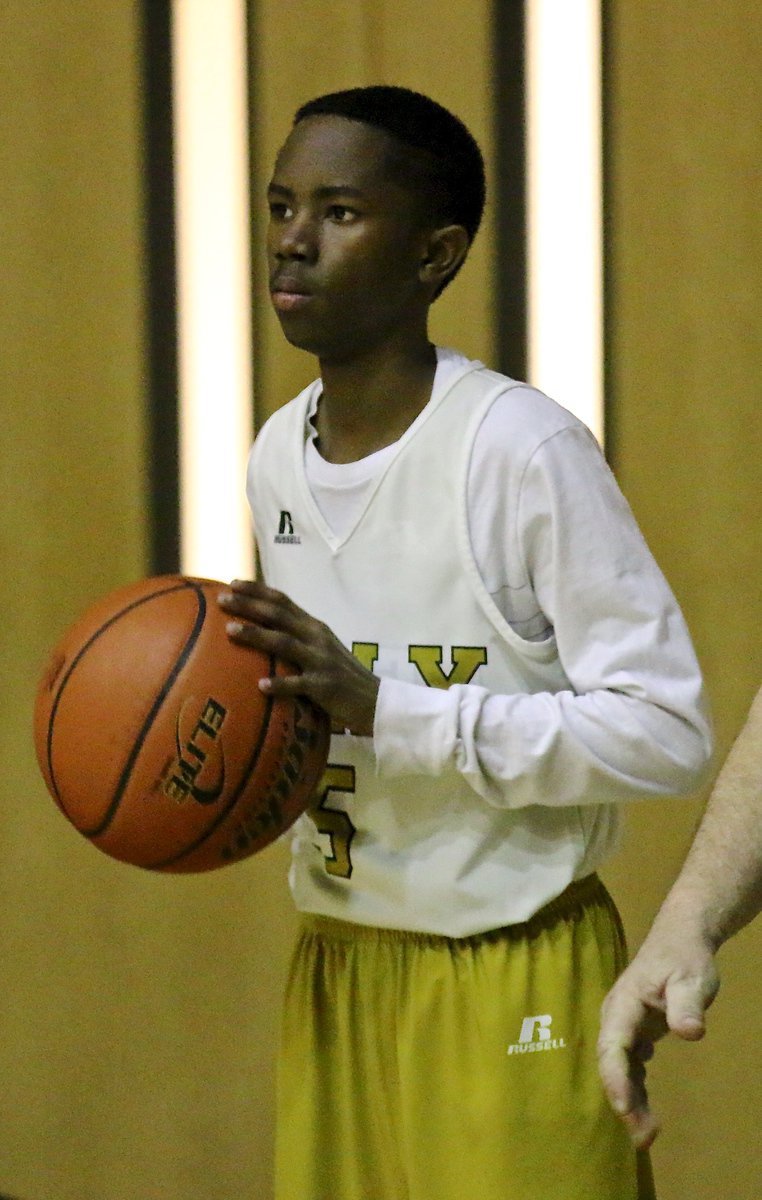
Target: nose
296,239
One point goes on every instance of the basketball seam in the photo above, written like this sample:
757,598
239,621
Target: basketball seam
160,697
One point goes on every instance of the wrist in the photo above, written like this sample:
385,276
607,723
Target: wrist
684,917
363,714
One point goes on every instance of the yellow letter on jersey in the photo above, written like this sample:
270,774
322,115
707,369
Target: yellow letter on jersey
366,653
466,661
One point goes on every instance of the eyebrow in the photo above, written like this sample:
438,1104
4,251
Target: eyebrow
321,193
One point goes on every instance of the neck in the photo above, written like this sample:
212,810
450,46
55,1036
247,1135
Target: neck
370,401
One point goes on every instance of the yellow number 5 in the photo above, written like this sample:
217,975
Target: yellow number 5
334,823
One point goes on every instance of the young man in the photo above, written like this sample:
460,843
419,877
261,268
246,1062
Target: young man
453,571
672,980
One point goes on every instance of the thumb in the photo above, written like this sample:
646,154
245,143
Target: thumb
686,1003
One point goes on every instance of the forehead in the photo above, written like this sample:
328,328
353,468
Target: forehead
334,151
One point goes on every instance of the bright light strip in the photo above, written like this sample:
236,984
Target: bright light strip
564,204
213,277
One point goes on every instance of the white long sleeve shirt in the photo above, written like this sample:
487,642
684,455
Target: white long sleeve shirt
606,705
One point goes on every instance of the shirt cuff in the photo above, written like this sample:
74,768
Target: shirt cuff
415,729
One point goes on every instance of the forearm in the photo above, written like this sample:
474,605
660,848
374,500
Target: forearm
517,750
720,886
673,979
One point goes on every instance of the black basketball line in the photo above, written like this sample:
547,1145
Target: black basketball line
246,776
83,650
161,696
182,585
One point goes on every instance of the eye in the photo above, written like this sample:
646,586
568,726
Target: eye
341,214
279,210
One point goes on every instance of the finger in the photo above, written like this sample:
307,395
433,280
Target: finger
623,1018
623,1040
639,1121
255,589
264,606
270,641
614,1068
622,1073
687,1001
243,595
642,1126
624,1079
251,587
632,1017
285,687
242,589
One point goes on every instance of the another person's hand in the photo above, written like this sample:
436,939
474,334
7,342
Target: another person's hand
329,674
668,987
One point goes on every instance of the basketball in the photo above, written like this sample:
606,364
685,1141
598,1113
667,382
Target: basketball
155,741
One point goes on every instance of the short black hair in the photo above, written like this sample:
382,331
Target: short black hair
447,170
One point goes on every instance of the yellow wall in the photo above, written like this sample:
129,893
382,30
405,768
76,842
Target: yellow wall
684,146
139,1013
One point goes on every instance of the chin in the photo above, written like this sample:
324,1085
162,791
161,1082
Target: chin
327,350
300,338
302,341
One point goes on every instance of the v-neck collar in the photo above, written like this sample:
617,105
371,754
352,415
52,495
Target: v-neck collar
304,428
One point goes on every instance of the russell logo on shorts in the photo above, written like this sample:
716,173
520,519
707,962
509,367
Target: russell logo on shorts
536,1035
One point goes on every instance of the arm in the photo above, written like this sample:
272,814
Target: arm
549,525
630,722
672,979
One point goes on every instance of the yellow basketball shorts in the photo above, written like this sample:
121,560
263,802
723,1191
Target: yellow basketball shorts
417,1067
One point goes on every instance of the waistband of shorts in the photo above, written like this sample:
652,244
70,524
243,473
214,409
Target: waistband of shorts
577,895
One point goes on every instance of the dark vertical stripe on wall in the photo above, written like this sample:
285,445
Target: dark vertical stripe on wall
161,291
256,207
509,202
609,299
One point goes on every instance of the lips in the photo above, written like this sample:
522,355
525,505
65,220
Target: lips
288,293
290,301
283,282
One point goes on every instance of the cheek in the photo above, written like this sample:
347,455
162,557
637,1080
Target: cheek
372,254
377,272
272,242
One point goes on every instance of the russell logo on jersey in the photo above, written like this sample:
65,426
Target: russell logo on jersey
285,535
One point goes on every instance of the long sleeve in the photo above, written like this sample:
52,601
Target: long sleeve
562,558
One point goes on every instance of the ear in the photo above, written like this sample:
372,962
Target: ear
444,252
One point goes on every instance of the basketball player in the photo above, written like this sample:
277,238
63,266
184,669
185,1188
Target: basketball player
672,979
449,564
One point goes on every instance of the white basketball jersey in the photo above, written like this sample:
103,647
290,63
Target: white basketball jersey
401,588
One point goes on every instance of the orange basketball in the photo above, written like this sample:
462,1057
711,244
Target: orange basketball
155,741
